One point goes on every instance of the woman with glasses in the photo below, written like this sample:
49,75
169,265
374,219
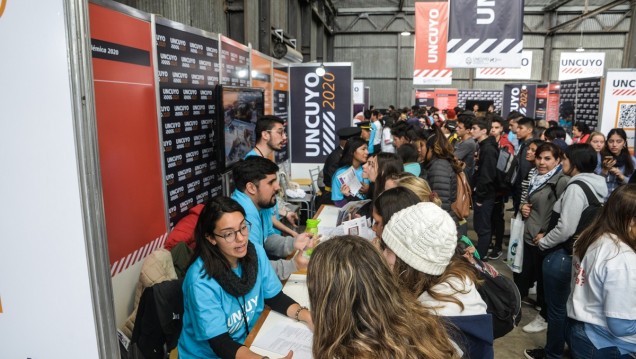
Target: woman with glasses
227,286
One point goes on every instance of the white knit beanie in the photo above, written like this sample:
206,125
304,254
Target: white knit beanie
424,236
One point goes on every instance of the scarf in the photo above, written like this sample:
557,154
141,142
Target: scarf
537,180
234,285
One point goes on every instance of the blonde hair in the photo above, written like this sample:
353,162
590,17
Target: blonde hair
420,187
359,311
595,133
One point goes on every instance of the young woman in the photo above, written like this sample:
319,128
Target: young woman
389,202
546,183
580,132
419,244
375,319
354,155
408,153
618,164
597,140
602,306
379,168
227,286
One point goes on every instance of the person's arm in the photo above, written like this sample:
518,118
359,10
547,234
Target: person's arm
283,304
282,227
226,348
573,202
487,173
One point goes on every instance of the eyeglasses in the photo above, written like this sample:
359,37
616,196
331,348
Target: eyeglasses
230,236
280,132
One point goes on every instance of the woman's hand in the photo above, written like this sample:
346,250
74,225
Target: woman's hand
538,238
608,164
289,355
345,190
303,241
526,208
364,189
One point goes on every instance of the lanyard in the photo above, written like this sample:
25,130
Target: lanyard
247,328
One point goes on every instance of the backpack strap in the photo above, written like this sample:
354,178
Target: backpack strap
591,197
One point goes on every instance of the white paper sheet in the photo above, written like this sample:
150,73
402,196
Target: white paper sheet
349,178
283,337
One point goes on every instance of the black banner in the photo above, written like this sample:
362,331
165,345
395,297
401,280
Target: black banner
521,98
319,107
280,94
118,52
235,64
192,136
583,96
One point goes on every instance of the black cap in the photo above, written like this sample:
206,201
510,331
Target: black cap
346,133
365,125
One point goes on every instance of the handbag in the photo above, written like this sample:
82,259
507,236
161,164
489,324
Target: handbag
515,246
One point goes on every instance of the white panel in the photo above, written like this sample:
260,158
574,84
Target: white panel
44,280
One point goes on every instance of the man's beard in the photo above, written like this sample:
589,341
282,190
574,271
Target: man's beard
267,204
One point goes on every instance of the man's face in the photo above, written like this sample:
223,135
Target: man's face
461,129
276,137
513,126
365,134
496,129
266,191
523,132
398,141
478,133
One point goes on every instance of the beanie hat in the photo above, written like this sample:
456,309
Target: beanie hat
450,114
424,236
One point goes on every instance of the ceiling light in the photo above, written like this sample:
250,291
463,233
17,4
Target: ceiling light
320,71
580,49
405,33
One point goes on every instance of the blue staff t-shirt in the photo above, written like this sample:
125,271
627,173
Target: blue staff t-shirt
336,193
209,311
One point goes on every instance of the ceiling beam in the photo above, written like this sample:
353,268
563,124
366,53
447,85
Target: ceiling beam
555,5
578,19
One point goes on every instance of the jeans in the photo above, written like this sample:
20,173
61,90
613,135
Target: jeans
557,272
582,348
498,223
482,223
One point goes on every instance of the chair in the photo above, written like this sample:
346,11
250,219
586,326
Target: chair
306,202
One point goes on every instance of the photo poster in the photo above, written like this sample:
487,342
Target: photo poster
588,101
519,97
280,104
541,105
241,109
431,29
425,97
127,130
319,106
445,98
619,103
188,71
552,110
235,63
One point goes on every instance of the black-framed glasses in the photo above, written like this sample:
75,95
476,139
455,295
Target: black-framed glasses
230,236
281,132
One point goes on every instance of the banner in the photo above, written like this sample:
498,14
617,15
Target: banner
358,91
281,91
552,110
425,97
519,97
445,98
481,34
262,77
319,107
235,63
508,73
577,65
431,30
619,102
541,102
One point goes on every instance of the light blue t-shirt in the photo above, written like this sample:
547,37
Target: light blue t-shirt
413,168
275,209
371,145
336,193
261,225
209,311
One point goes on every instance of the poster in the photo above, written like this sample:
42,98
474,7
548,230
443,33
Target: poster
619,102
445,98
496,96
431,29
552,110
520,98
281,93
508,73
588,101
541,102
577,65
188,70
262,72
235,63
485,33
425,97
358,91
319,106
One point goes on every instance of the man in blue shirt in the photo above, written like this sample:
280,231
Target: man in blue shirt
256,187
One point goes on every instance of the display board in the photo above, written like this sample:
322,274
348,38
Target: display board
262,74
519,97
425,97
578,65
281,93
554,96
319,106
496,96
541,104
511,73
358,91
188,70
241,109
235,63
584,95
619,102
431,29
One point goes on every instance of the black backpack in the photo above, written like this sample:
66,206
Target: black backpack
503,302
507,168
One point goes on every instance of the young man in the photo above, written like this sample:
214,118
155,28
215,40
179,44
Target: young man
401,133
524,131
484,184
467,146
256,187
376,131
512,119
366,133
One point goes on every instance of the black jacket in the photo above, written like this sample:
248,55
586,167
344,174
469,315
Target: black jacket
443,181
331,165
486,171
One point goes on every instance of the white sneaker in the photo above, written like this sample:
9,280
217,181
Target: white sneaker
533,290
538,324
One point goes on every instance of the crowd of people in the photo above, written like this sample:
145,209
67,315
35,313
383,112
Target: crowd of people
414,291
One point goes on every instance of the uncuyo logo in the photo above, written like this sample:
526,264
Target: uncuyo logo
3,4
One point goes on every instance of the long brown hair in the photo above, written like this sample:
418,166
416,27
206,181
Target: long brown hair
615,218
359,311
441,148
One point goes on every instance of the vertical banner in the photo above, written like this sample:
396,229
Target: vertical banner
319,107
508,73
425,97
235,63
188,70
588,98
262,77
541,102
577,65
481,34
519,97
619,102
281,93
445,98
358,91
552,110
128,134
431,29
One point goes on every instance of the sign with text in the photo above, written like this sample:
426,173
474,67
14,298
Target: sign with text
485,33
619,102
281,93
541,103
235,63
578,65
554,98
508,73
431,29
358,91
319,107
262,77
425,97
521,98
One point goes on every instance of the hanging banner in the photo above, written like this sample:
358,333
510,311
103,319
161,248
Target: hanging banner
262,77
358,91
319,106
541,101
577,65
425,97
235,63
619,102
431,30
519,97
481,34
508,73
552,110
445,98
281,91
